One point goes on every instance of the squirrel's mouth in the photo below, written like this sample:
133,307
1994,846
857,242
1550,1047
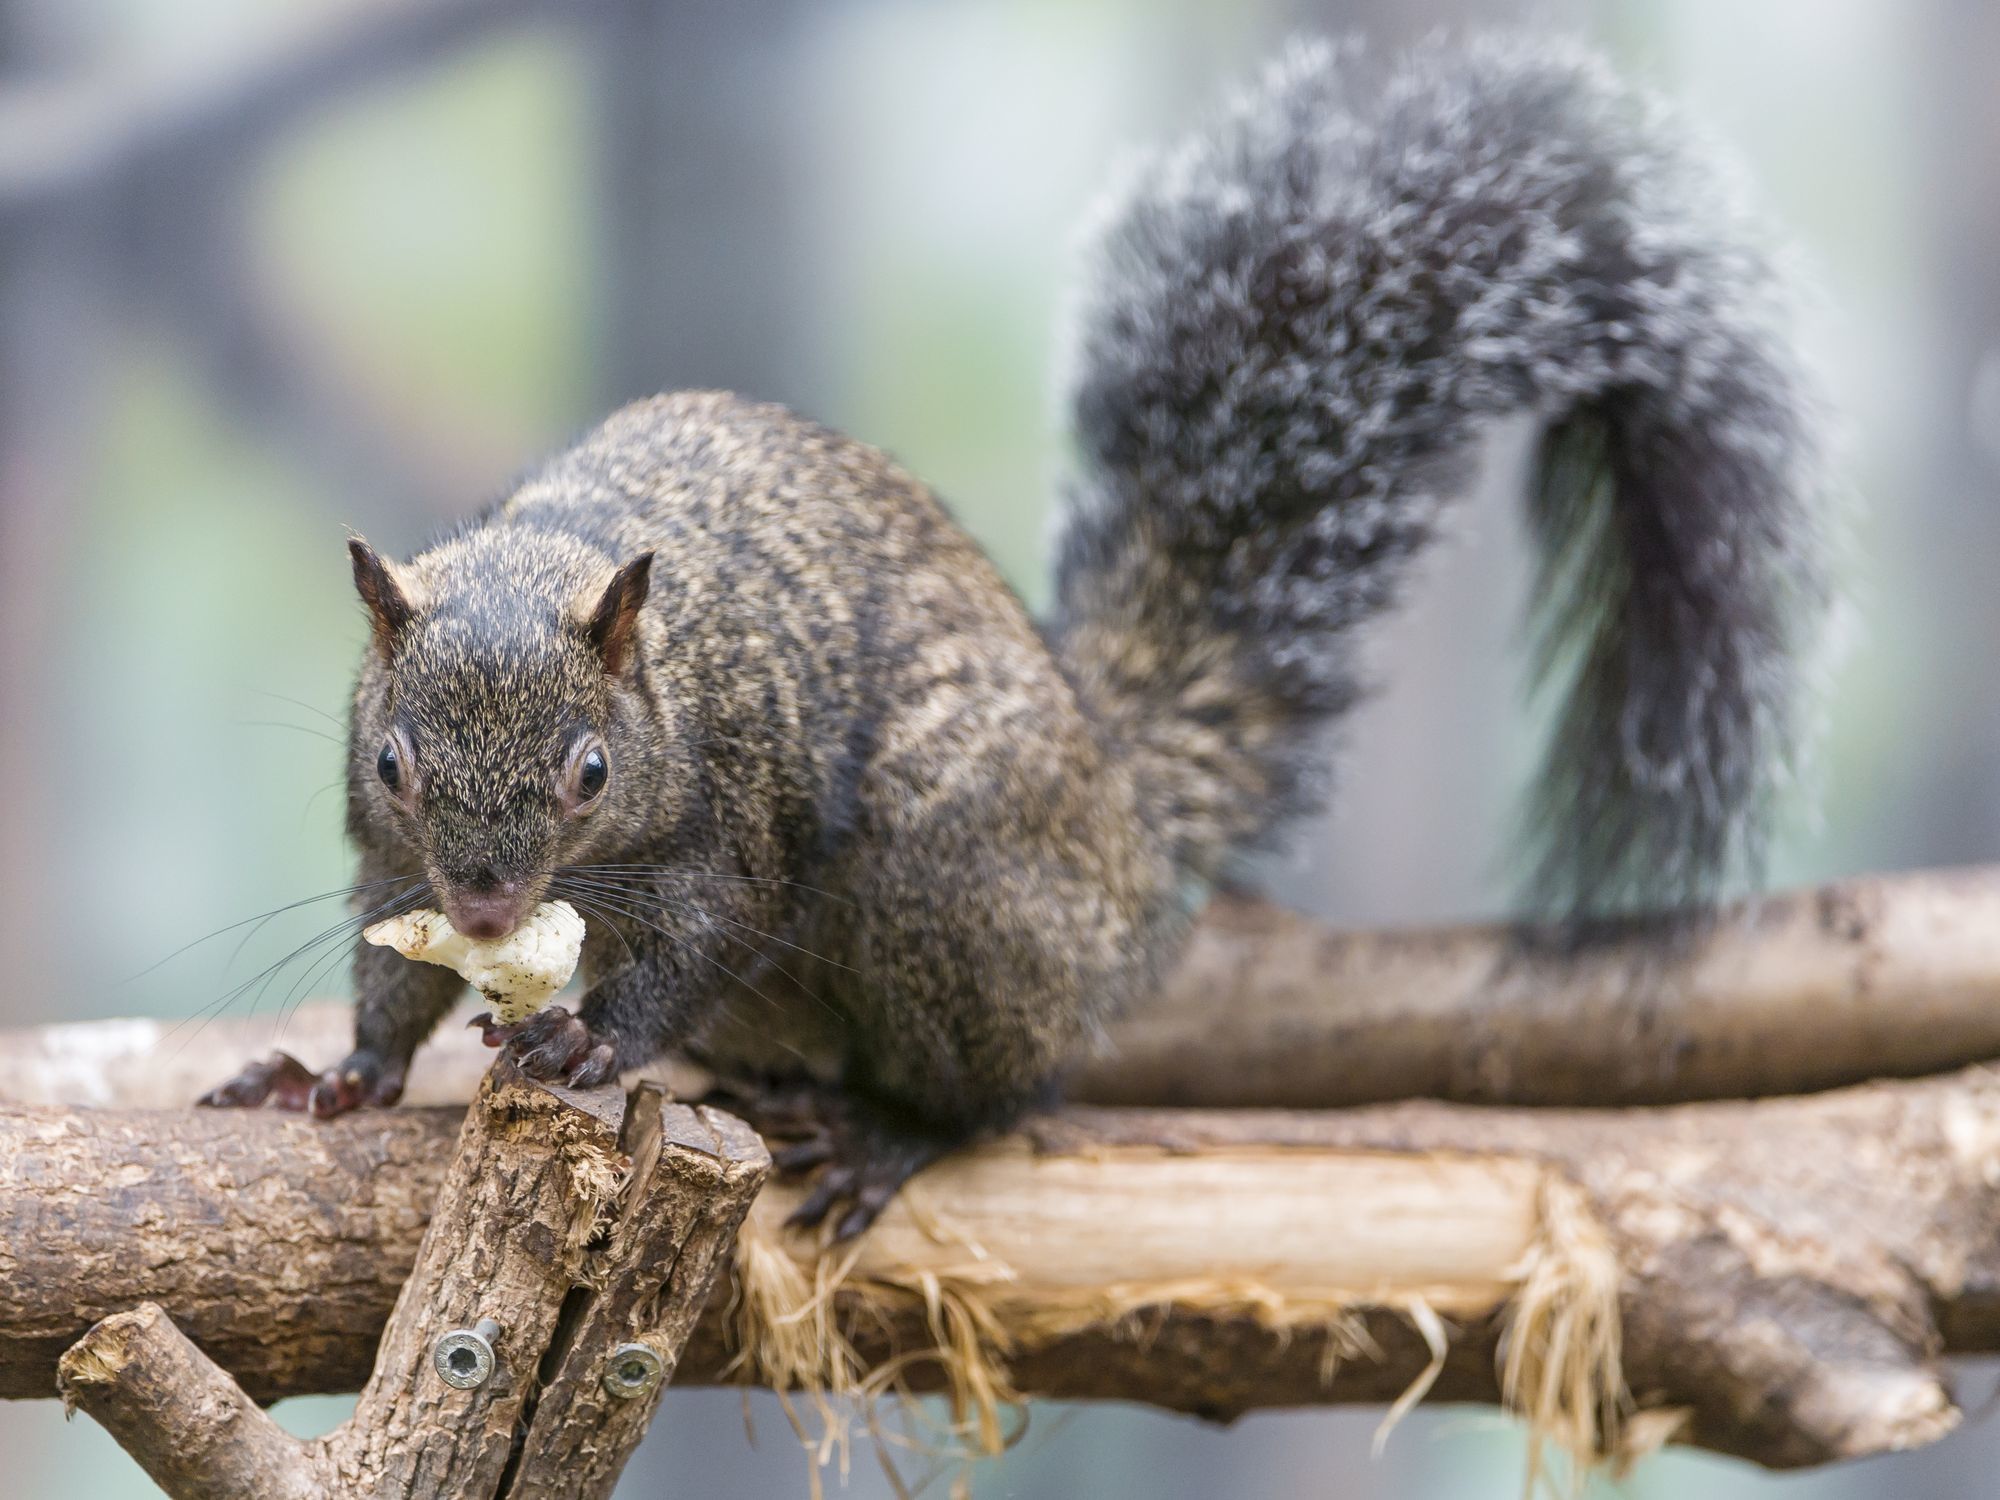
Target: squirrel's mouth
489,911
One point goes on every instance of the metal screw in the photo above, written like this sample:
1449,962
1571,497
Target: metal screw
633,1370
464,1357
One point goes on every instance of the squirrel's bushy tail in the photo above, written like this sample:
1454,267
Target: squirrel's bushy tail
1299,324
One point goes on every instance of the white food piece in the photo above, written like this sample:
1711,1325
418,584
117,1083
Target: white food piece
517,973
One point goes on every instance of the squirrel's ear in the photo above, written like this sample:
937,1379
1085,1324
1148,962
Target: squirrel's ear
613,623
389,608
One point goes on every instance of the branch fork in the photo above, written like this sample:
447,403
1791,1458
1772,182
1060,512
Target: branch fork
575,1240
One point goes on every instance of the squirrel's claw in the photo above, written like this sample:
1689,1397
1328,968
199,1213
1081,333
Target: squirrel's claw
599,1066
864,1160
359,1081
555,1047
494,1033
280,1079
803,1156
785,1109
283,1082
863,1152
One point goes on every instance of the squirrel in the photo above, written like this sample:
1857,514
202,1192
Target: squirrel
739,688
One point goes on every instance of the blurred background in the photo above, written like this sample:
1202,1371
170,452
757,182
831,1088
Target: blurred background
268,272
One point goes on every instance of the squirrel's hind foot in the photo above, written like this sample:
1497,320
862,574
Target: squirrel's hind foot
864,1155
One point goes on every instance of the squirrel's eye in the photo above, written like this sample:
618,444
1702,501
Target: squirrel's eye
389,766
591,774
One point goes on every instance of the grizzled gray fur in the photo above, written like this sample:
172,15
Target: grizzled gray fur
737,687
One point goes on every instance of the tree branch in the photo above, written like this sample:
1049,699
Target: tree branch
1885,976
184,1420
1881,976
1774,1279
694,1174
572,1237
532,1171
1784,1273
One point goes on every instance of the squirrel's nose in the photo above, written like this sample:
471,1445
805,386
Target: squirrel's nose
487,911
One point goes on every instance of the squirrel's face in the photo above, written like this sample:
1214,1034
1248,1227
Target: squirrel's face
494,726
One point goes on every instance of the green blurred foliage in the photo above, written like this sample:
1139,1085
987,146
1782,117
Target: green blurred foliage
435,232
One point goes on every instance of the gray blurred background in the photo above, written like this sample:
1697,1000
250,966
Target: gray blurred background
271,271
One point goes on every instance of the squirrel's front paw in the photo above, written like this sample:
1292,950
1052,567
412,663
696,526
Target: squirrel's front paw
555,1047
284,1082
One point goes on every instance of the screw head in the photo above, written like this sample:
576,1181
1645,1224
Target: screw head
464,1357
633,1370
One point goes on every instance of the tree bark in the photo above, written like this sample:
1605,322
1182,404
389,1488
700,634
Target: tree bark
1885,976
179,1415
566,1229
533,1170
1784,1273
1881,976
695,1174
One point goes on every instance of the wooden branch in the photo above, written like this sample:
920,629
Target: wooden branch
694,1175
276,1245
1786,1273
1882,976
533,1169
1887,976
571,1237
186,1422
1782,1275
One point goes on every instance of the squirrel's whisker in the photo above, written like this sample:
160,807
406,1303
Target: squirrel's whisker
597,913
335,951
305,814
680,941
335,720
685,872
265,976
303,987
683,904
321,734
244,941
262,917
726,1012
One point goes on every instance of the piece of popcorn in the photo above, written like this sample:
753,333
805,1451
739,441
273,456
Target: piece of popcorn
517,973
